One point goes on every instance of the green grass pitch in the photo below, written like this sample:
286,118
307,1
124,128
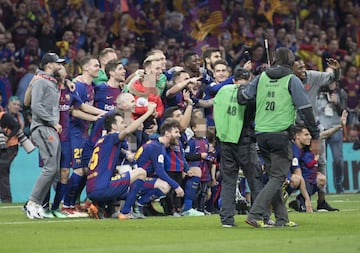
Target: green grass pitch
317,232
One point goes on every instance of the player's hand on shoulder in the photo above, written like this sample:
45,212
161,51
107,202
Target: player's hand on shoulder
70,85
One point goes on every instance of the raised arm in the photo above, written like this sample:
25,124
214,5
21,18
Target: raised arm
134,125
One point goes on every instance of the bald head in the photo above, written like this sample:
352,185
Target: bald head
125,102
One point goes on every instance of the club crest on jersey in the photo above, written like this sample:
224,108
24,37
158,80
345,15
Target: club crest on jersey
295,162
161,158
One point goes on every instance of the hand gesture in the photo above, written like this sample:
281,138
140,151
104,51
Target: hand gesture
332,63
343,118
186,96
151,107
70,85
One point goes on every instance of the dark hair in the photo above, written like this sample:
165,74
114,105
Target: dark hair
241,73
111,66
209,51
109,120
284,57
218,62
169,112
188,55
86,60
298,58
149,122
169,124
299,128
177,74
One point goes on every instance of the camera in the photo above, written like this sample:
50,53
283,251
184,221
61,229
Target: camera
2,140
247,56
25,142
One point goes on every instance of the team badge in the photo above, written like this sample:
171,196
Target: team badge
161,158
295,162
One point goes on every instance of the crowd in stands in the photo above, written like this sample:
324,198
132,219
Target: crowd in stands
315,30
185,45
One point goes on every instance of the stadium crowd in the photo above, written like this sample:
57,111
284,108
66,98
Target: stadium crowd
151,70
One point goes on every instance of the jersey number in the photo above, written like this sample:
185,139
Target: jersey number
94,159
231,110
77,153
270,106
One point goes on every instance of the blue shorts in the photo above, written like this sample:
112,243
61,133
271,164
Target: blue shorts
117,189
86,155
77,144
66,155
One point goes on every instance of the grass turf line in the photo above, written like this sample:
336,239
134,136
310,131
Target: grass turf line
318,232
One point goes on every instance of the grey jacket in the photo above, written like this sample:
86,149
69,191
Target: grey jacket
45,96
315,79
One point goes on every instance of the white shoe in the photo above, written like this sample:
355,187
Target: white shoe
80,214
192,212
34,211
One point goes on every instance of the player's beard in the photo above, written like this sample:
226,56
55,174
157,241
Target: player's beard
174,141
56,74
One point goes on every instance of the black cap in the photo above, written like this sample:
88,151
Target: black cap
50,57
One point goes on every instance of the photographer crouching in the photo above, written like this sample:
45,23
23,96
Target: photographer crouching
11,125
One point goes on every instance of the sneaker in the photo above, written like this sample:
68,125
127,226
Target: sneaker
80,214
125,216
87,204
93,211
325,207
176,214
295,204
58,214
192,212
138,211
291,224
34,211
24,206
229,225
79,208
69,212
269,222
258,223
48,214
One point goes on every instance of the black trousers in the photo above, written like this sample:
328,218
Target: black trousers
6,157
